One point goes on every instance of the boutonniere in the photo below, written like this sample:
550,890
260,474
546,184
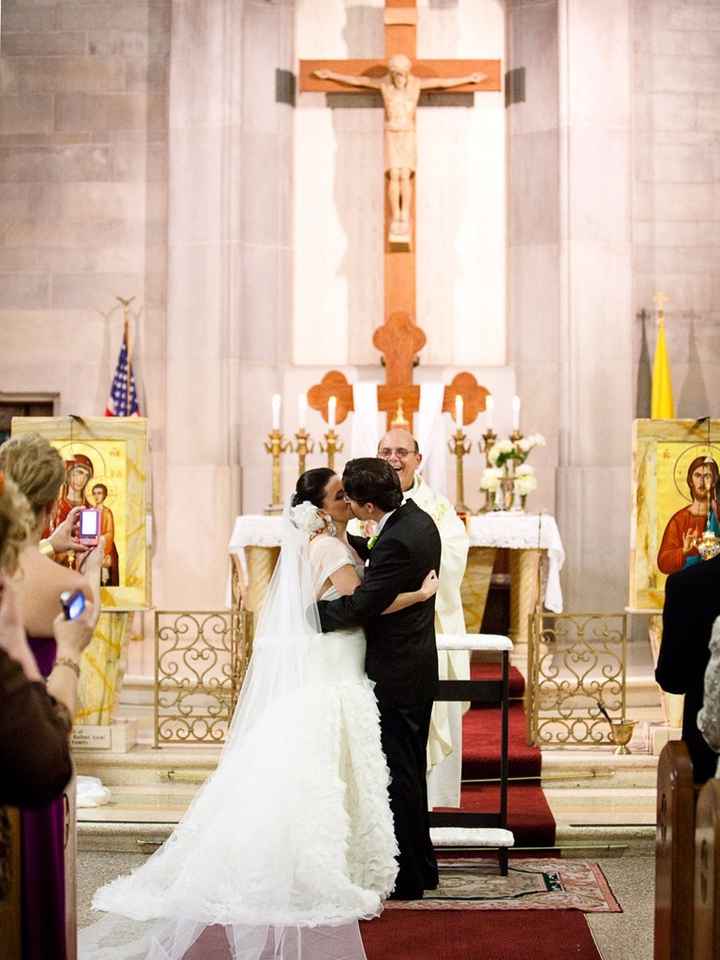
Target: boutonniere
372,541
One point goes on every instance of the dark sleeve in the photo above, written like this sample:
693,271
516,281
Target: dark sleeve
381,585
33,740
359,545
678,624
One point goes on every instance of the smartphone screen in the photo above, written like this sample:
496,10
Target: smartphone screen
73,604
89,523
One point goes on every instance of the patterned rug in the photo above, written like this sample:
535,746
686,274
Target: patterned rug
536,884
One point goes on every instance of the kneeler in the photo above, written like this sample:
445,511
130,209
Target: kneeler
10,888
674,848
471,830
706,933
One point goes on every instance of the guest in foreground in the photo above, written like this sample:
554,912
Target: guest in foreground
692,603
38,472
709,717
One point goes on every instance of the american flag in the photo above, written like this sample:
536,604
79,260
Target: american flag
123,401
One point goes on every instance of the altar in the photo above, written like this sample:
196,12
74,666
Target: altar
536,559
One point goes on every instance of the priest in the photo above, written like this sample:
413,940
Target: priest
401,450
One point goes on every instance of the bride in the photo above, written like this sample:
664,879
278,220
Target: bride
290,841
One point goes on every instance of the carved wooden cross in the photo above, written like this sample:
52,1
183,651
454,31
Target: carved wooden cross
399,339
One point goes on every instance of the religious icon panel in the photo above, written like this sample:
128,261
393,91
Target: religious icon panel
105,471
676,487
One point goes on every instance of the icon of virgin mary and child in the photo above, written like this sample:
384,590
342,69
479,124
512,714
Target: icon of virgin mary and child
79,472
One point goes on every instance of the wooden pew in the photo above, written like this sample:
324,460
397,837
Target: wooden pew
707,873
674,846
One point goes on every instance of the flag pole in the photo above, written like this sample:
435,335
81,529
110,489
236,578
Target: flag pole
126,340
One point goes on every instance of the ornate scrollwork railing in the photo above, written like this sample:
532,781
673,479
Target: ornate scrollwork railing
575,663
200,662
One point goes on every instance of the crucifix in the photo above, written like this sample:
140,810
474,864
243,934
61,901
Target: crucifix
399,79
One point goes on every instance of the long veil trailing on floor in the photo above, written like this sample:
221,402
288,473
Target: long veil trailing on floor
229,884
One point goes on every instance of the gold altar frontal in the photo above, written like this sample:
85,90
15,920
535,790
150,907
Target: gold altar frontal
250,581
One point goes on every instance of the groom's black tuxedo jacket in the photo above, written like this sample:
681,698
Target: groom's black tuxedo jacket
692,602
401,652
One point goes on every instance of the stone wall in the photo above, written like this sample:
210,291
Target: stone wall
83,161
676,195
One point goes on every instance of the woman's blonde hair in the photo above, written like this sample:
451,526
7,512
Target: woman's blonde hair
36,468
16,520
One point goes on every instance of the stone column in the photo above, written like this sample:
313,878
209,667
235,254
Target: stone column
570,276
204,230
534,230
595,334
228,280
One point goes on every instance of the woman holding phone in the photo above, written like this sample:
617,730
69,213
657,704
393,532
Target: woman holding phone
38,471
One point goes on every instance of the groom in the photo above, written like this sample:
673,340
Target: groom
401,652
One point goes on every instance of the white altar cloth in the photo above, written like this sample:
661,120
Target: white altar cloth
509,529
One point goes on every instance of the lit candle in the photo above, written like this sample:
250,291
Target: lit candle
276,411
458,410
302,410
516,412
489,407
332,407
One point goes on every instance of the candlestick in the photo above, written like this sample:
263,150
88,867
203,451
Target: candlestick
276,445
516,412
486,444
332,445
332,410
276,404
303,446
460,446
458,411
302,411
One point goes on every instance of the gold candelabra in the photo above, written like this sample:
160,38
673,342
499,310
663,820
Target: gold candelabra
276,445
303,446
488,439
332,445
460,446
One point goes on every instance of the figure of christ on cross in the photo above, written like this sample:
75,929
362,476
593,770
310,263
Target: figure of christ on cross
400,90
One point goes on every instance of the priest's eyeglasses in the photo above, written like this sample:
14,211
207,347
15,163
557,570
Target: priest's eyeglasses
386,452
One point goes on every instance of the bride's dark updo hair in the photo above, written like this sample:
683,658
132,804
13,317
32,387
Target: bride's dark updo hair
311,486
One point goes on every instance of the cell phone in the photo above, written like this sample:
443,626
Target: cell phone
73,603
89,531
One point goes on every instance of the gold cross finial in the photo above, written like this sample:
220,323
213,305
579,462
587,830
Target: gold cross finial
660,300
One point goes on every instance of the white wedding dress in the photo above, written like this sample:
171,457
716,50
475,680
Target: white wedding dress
291,840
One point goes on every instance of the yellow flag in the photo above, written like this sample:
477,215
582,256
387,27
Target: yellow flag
662,406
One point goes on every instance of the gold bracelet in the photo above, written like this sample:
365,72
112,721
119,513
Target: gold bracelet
67,662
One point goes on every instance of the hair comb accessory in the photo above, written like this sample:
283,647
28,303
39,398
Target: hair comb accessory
2,483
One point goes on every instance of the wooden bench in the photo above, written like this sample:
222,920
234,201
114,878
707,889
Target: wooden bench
674,846
706,934
468,830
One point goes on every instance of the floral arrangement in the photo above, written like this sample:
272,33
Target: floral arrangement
306,517
508,471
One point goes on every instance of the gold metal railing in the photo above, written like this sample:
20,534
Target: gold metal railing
575,663
200,662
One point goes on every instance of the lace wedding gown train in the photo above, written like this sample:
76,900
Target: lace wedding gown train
288,843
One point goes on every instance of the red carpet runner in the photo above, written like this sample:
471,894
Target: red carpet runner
479,935
529,815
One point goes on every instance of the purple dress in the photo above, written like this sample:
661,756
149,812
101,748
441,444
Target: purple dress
43,858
